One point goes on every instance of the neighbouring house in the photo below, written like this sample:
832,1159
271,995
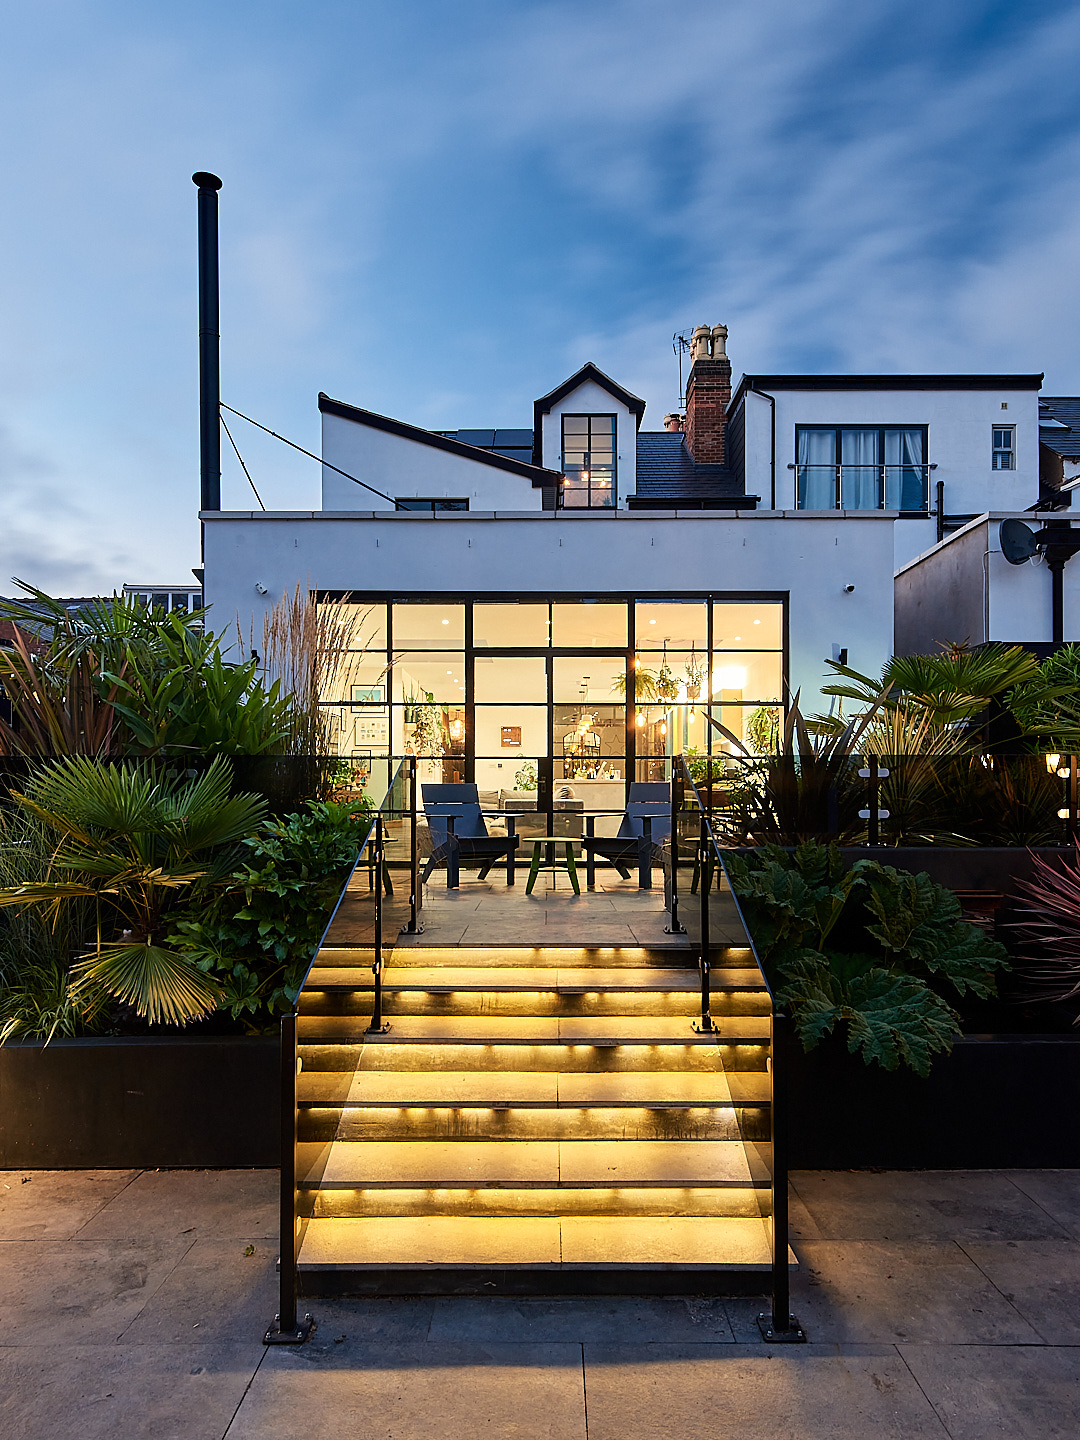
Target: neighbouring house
565,604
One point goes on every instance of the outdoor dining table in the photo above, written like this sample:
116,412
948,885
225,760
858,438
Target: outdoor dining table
550,843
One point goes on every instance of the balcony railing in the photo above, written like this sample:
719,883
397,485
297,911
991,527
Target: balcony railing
863,487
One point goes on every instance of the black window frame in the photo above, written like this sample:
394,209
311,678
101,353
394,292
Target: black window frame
837,431
432,504
613,489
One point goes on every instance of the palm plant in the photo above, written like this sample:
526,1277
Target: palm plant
129,839
951,687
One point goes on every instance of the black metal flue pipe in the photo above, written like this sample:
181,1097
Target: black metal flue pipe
209,342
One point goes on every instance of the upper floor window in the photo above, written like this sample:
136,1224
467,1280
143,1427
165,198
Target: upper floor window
588,460
439,502
1004,447
861,469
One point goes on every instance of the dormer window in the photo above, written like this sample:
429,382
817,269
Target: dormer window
588,461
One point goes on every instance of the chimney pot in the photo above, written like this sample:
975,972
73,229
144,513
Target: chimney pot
673,421
708,393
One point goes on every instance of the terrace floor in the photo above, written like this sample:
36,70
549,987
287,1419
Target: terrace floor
939,1304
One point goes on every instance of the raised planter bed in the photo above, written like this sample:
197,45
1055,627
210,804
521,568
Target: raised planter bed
144,1103
997,1101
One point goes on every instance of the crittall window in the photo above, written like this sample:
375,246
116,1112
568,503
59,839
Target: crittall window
864,468
588,461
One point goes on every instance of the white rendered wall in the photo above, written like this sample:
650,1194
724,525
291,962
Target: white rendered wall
959,424
404,468
1001,601
592,399
811,558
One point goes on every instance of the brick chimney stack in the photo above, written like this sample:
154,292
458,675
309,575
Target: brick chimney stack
708,391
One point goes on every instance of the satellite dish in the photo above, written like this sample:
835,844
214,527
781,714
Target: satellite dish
1018,541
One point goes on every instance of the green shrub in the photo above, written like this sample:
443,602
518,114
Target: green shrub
872,950
255,938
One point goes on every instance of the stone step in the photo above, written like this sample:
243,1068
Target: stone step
539,1004
518,1124
528,957
532,1030
684,1200
419,1243
457,1164
567,981
343,1057
423,1089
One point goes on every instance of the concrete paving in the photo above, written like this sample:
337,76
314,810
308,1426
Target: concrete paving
937,1304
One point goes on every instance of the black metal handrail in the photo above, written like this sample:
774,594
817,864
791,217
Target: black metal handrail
287,1327
779,1326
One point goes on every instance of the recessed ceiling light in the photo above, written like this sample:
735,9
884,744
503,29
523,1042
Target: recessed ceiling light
652,622
757,622
446,622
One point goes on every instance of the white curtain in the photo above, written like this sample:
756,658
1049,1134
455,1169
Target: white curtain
817,470
905,478
860,476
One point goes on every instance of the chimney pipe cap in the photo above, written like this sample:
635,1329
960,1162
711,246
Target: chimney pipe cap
205,181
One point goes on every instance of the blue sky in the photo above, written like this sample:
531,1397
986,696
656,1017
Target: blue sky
438,211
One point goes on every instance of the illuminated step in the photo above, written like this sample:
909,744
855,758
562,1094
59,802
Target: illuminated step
533,1030
547,957
713,1201
531,1088
563,1242
516,1124
531,1004
346,1056
450,980
369,1164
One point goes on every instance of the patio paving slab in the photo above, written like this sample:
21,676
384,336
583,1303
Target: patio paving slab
81,1292
1041,1278
223,1204
612,1319
137,1392
922,1205
217,1292
874,1291
1056,1192
701,1392
55,1204
416,1392
990,1393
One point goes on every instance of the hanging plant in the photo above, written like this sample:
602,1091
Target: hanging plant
667,687
695,674
643,685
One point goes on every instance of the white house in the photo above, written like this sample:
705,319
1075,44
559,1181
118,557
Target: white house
570,600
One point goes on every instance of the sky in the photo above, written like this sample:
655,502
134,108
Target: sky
439,211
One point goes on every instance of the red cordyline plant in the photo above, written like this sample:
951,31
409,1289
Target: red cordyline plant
1050,930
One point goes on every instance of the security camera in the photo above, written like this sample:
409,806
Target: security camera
260,588
848,589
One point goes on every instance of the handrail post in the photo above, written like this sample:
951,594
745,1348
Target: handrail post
286,1329
673,927
377,1027
704,886
781,1327
416,890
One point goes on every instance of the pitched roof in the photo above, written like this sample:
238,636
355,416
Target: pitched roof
666,472
440,440
588,371
1063,437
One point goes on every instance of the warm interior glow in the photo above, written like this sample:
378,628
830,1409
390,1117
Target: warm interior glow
1052,763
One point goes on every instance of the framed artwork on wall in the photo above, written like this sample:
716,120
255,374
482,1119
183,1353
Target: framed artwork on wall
368,699
370,732
511,736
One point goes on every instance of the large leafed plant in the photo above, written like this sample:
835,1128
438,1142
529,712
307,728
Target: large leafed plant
873,952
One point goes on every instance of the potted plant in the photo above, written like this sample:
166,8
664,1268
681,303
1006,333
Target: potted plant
695,674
